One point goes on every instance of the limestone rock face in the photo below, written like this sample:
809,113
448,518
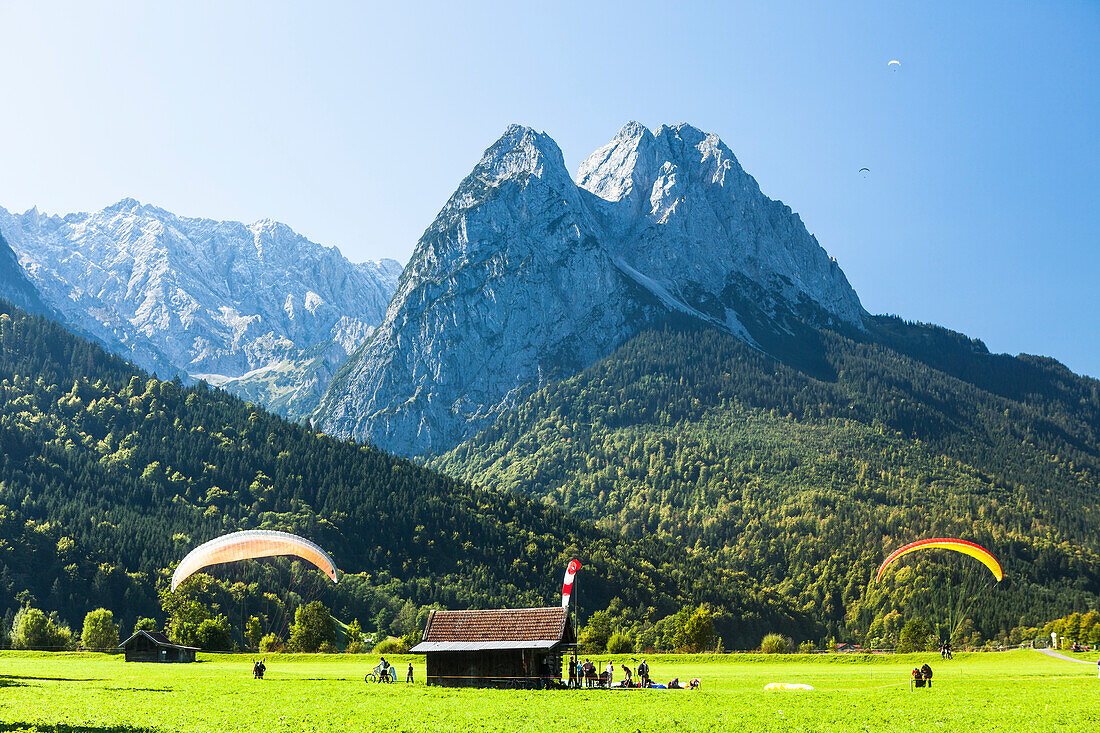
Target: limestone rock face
526,275
684,212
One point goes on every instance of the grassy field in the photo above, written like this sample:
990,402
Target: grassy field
86,693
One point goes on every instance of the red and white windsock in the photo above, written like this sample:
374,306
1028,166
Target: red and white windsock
567,584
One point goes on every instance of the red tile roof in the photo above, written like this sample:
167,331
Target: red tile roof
502,624
157,638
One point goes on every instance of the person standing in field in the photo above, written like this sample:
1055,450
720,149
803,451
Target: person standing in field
409,676
610,669
573,672
643,673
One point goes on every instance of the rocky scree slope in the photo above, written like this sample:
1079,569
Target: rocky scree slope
212,299
525,275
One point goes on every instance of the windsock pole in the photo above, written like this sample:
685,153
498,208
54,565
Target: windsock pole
569,596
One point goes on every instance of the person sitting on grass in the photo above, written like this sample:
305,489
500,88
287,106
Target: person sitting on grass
675,684
694,684
627,682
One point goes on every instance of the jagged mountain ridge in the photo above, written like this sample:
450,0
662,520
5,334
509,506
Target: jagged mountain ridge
672,192
524,274
212,299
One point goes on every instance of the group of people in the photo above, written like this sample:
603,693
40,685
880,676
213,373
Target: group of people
922,676
385,670
388,673
584,674
945,650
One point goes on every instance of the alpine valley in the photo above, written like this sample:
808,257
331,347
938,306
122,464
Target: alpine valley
650,364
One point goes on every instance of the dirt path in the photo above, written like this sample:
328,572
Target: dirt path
1057,655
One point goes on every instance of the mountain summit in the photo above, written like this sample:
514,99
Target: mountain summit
525,274
683,210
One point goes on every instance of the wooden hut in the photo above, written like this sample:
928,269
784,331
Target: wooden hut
153,646
506,647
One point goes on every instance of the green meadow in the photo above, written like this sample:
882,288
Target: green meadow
1008,691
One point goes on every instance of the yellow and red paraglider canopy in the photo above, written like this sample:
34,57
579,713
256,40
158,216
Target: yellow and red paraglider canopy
948,543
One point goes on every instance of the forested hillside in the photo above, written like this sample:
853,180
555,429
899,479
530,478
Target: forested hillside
807,482
108,477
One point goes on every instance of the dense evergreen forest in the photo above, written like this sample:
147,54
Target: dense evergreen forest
806,478
108,477
685,469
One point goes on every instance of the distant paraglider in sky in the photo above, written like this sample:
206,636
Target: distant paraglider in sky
249,544
894,65
864,172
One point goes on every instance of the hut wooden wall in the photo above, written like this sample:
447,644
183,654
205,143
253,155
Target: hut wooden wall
490,668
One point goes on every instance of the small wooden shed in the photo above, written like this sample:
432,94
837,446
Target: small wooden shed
153,646
505,647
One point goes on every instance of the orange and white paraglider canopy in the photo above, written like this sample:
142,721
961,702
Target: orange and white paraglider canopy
250,544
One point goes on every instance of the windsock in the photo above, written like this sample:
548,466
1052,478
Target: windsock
567,585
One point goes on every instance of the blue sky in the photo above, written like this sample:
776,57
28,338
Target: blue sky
354,122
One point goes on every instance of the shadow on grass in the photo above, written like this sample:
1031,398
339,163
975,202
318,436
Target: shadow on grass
66,728
19,679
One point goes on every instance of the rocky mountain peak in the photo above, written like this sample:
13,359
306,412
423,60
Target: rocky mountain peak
526,274
521,152
685,213
124,204
624,168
